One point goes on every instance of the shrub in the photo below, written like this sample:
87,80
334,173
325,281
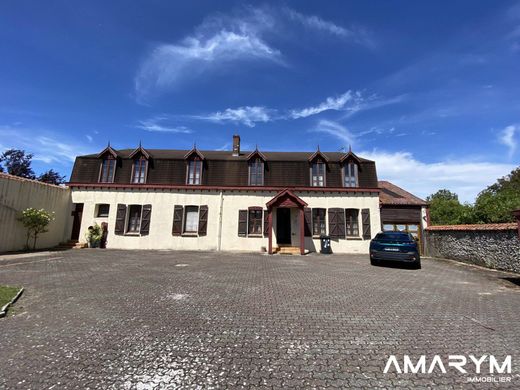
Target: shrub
36,222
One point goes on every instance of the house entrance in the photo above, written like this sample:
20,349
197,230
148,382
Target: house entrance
283,226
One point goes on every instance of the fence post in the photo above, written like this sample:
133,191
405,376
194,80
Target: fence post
516,213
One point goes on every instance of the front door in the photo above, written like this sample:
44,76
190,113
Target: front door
283,226
76,224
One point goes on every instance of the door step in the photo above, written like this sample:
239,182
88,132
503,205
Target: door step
71,244
287,250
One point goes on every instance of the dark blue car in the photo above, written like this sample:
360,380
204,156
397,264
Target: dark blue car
395,246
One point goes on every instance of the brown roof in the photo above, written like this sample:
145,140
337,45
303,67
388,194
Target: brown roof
484,226
391,194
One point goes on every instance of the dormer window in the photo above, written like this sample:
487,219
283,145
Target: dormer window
108,169
256,172
350,172
139,170
194,171
318,173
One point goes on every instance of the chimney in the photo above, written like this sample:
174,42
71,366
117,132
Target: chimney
236,145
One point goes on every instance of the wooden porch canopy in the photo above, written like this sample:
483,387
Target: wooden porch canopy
286,199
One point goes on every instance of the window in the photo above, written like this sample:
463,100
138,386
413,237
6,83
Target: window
256,172
319,226
351,174
139,171
108,169
194,171
318,173
134,219
191,219
102,210
351,216
255,221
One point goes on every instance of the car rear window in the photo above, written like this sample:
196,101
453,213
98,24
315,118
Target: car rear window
393,236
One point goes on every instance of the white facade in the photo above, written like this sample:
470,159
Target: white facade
222,224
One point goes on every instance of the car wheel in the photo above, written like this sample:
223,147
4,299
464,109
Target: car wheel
417,264
374,262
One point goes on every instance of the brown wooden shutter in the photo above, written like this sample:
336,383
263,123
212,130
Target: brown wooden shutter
145,219
341,223
307,214
266,223
177,220
242,223
120,220
203,220
333,223
365,217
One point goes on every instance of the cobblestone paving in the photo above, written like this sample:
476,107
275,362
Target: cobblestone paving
95,319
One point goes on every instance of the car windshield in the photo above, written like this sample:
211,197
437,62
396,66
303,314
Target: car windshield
393,236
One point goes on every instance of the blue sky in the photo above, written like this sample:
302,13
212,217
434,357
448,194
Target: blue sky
431,91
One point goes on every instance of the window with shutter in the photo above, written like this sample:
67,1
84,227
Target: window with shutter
191,219
266,223
307,214
203,220
319,226
365,216
254,223
134,218
120,220
178,212
145,219
242,223
352,222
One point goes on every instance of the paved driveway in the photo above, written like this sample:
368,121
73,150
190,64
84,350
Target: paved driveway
138,319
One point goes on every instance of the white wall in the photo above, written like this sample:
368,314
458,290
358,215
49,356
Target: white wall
221,205
16,195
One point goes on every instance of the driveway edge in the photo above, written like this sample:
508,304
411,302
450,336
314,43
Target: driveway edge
3,311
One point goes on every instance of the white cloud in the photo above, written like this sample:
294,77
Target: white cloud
218,41
336,130
247,115
89,137
161,124
331,103
507,138
358,35
466,178
47,148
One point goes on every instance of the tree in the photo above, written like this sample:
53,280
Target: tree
495,203
51,177
18,163
445,209
36,222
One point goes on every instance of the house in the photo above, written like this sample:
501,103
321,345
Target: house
227,200
402,211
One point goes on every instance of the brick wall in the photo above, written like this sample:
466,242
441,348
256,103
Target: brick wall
494,245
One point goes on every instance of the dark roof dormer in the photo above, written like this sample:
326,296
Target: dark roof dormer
140,151
193,152
108,150
256,153
318,154
350,156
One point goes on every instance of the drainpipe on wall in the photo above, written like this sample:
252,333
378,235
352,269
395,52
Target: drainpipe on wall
219,235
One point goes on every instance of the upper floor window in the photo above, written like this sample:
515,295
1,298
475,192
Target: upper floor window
108,170
318,173
139,171
256,172
351,175
194,171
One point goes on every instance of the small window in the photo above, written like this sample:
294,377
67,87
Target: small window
256,172
134,219
319,225
352,220
139,171
318,173
191,219
388,227
255,221
108,169
102,210
194,171
351,174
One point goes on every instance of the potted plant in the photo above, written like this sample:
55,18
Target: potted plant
93,236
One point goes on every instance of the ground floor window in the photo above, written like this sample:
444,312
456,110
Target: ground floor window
191,219
134,219
352,221
102,210
319,226
255,221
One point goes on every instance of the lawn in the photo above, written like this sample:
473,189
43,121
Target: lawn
6,294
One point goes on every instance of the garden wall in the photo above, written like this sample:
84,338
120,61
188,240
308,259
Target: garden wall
493,245
17,194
